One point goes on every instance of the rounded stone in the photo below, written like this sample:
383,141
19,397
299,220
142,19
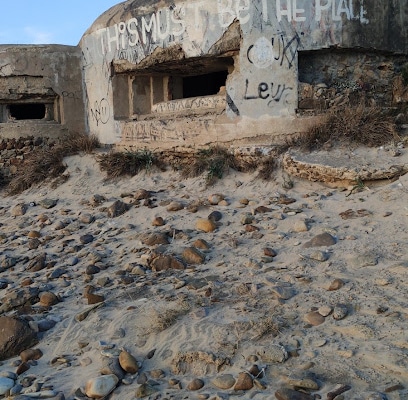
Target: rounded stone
141,194
85,239
192,255
128,362
336,285
224,382
300,226
314,318
5,385
325,310
324,239
31,354
175,206
34,234
48,299
340,311
98,388
214,199
158,221
206,225
201,244
244,382
94,298
195,384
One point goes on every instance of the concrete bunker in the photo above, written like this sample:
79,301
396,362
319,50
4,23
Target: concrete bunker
171,73
176,73
40,91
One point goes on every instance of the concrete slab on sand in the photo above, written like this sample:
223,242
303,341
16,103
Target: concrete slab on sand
344,166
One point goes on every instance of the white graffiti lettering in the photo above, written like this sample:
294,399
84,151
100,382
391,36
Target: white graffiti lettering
172,22
228,11
337,9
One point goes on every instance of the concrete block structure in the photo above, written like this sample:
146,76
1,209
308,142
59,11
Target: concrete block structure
40,90
160,73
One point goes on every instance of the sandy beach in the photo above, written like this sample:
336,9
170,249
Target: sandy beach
249,288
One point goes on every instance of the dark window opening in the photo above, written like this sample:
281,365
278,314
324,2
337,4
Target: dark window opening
204,85
27,111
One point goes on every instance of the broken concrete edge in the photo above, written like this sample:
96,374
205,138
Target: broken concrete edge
308,166
305,165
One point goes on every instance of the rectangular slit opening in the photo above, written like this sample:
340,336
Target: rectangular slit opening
27,111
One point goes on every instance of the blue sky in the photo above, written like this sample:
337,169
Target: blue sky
48,21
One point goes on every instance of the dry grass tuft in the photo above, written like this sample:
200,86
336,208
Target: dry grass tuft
264,326
129,163
267,167
48,162
359,125
214,162
161,319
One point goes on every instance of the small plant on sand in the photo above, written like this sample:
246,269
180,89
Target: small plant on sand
48,162
129,163
359,125
214,162
161,319
267,167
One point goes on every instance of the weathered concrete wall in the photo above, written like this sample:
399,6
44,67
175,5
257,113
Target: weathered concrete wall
263,38
47,75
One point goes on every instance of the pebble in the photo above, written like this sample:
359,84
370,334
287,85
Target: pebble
175,206
325,310
215,216
19,210
112,366
340,311
191,255
195,384
158,221
324,239
300,226
145,390
214,199
101,386
30,354
224,381
206,225
5,385
201,244
48,299
319,256
290,394
314,318
336,285
117,208
244,381
273,353
128,362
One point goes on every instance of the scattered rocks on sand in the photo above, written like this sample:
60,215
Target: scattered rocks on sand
179,291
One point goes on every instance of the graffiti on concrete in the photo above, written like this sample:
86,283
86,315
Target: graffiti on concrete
194,103
101,111
263,53
271,92
162,130
169,23
295,10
